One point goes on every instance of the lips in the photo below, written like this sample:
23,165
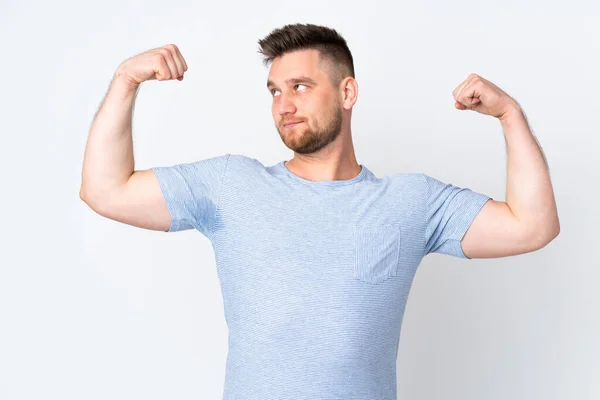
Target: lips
292,123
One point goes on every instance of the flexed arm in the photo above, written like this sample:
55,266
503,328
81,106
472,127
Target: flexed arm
528,220
109,184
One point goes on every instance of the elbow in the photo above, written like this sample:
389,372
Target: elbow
90,193
551,236
556,229
84,194
553,228
92,199
541,235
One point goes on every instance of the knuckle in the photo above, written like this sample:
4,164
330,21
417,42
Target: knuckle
160,59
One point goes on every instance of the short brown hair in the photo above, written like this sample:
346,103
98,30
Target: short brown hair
329,43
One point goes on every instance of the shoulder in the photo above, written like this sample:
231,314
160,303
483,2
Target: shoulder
240,162
413,181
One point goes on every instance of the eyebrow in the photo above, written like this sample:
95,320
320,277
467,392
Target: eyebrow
294,81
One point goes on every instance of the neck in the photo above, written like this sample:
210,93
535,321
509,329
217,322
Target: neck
335,162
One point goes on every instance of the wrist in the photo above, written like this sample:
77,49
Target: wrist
512,113
123,81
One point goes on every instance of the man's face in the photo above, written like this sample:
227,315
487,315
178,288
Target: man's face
306,108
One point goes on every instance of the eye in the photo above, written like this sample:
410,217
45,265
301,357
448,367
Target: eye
273,91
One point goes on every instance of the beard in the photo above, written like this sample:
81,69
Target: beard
303,139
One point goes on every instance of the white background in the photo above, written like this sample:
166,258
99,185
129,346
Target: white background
94,309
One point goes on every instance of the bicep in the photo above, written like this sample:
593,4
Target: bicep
496,232
138,202
169,198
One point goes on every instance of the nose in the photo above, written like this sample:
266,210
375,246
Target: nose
286,105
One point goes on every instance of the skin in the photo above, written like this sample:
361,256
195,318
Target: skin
323,149
322,141
528,219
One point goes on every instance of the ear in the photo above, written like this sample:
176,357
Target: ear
348,92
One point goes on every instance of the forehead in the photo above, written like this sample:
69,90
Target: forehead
297,63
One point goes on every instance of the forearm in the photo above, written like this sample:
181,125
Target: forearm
529,192
108,160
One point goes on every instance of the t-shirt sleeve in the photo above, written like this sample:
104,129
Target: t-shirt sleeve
191,191
450,210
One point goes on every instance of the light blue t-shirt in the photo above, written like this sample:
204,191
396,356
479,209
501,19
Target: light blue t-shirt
314,275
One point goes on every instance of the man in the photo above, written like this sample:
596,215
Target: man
315,255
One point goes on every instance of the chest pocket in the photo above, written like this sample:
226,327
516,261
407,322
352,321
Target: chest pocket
376,252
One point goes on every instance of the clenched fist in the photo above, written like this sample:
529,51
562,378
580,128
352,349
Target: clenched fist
162,63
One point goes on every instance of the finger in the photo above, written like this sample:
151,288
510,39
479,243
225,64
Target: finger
177,59
470,79
468,96
170,62
162,68
184,64
178,54
460,88
459,106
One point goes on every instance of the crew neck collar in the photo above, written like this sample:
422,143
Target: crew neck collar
363,172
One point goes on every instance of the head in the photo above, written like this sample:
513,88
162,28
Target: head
312,84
